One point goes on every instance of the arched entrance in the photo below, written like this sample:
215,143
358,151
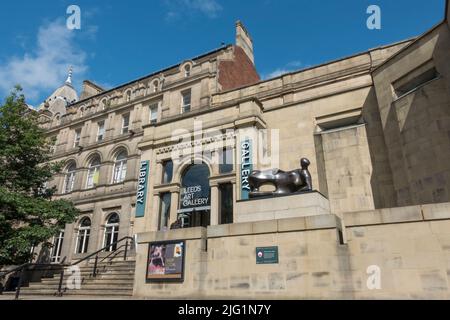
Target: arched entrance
195,197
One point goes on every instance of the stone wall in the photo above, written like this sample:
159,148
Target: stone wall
416,123
410,245
348,169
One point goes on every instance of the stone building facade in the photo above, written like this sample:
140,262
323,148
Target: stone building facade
375,126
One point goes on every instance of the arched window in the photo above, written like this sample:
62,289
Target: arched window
84,231
128,95
120,167
155,86
195,200
187,70
111,232
69,179
93,172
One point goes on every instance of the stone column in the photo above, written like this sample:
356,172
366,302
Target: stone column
155,217
68,246
175,197
97,229
158,174
214,204
235,193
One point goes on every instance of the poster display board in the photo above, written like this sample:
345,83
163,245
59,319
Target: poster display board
166,261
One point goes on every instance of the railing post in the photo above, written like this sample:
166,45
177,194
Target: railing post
1,285
94,273
19,284
61,277
126,251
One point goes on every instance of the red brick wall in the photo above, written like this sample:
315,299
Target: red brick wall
237,72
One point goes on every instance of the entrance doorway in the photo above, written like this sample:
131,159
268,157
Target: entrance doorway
201,218
195,202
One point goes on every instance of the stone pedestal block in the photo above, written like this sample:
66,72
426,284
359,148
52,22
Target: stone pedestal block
291,206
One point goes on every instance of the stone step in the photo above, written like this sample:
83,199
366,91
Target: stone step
104,277
108,265
102,293
101,270
113,279
90,266
84,286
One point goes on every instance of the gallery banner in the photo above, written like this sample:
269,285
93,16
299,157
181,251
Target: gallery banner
246,167
141,194
166,261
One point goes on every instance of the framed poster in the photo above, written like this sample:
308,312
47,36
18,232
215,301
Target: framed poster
166,261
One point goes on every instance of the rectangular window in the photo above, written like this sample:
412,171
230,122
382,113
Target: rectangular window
226,203
167,172
186,101
57,247
153,113
125,123
120,171
76,141
226,160
101,131
92,177
415,79
164,210
69,182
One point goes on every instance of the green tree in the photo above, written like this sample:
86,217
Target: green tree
28,214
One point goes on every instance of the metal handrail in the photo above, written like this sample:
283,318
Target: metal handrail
24,266
102,249
113,253
22,269
96,253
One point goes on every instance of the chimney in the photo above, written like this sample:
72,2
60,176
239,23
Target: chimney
90,89
244,40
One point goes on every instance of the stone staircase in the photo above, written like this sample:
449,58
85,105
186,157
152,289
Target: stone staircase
114,279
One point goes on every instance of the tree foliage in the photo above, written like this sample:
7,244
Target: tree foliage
28,214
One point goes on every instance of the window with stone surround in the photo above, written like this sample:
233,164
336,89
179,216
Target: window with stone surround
154,112
120,167
125,123
186,101
84,232
77,138
100,131
69,178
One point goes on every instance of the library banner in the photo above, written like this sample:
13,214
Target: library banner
141,194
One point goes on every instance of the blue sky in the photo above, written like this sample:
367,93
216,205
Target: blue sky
122,40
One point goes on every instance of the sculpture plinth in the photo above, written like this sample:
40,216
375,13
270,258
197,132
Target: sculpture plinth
300,204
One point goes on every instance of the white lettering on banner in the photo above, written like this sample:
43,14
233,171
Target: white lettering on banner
142,180
245,163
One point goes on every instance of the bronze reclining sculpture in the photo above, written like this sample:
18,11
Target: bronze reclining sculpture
284,182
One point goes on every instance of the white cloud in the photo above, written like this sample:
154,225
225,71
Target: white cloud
42,70
210,8
289,67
